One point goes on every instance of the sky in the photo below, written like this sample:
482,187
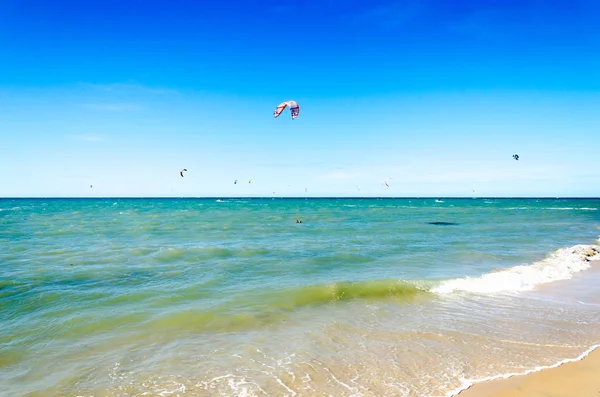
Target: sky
113,98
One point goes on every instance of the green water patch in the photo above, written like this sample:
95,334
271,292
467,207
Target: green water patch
270,308
9,288
372,290
131,298
170,254
346,258
193,254
191,320
10,357
252,252
97,323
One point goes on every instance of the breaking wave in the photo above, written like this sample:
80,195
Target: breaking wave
560,265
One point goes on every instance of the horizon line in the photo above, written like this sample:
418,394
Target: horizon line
306,197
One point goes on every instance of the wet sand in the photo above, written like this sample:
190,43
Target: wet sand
572,379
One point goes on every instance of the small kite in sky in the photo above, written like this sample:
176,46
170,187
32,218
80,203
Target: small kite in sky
294,109
181,172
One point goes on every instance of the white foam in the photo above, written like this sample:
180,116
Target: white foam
467,383
560,265
570,208
554,208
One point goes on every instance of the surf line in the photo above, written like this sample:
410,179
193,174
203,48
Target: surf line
468,383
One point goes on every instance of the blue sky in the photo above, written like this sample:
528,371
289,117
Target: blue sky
437,95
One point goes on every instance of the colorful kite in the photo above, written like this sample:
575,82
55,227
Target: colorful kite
294,109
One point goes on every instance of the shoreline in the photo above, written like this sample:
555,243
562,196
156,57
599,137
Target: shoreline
568,378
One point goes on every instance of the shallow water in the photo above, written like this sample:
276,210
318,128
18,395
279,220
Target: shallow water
366,297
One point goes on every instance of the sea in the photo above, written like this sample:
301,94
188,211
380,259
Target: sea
235,297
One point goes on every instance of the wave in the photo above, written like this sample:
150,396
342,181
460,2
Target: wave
274,306
328,293
11,209
560,265
271,306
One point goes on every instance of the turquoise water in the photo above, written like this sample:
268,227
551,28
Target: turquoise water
233,297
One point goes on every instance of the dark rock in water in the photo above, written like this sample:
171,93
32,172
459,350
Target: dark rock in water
443,223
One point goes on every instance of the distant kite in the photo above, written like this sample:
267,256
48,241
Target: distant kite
294,109
235,182
91,186
181,172
249,180
516,156
385,182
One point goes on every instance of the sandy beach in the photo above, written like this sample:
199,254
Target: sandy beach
573,379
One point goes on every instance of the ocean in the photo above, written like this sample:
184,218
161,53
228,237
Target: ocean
233,297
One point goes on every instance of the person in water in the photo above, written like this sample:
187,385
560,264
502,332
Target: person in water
298,221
